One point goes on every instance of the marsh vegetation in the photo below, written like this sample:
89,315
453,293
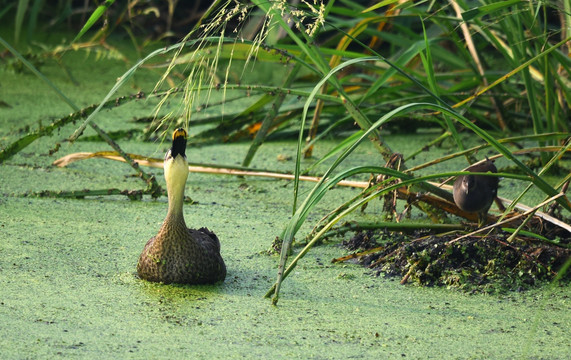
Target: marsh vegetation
483,79
340,125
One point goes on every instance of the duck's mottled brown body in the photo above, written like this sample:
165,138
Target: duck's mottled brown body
178,254
475,193
181,255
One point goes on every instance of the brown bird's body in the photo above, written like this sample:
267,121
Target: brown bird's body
475,193
178,254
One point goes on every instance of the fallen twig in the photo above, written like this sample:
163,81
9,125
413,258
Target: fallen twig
433,200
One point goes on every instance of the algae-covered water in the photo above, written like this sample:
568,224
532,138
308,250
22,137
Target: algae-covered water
68,286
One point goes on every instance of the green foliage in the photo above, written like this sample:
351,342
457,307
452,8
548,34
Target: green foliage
93,18
489,71
22,7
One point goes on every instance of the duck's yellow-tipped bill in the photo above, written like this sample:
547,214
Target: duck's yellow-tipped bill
180,132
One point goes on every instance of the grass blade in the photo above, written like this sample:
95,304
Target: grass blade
100,10
20,13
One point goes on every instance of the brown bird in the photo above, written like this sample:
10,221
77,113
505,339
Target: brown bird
475,193
178,254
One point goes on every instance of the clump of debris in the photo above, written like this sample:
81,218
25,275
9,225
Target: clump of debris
487,264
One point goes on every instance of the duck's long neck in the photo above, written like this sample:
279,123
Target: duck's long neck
176,173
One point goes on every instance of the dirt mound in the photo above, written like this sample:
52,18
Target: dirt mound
475,264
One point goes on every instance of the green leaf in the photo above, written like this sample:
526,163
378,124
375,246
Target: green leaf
487,9
400,62
94,17
343,144
22,8
379,5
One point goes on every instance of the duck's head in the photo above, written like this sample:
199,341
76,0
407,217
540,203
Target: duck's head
178,144
175,165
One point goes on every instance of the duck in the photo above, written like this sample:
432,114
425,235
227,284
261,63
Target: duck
178,254
475,193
